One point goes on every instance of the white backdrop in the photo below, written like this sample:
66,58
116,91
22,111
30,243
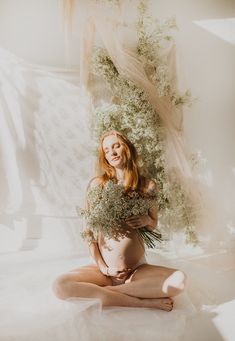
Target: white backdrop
33,30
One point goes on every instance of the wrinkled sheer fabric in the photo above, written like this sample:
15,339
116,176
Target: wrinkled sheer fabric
29,310
46,143
109,26
46,157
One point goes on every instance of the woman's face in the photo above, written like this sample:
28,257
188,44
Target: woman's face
114,151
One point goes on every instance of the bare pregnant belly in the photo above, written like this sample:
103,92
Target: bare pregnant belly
122,253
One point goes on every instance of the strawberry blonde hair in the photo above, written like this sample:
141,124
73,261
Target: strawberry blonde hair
131,170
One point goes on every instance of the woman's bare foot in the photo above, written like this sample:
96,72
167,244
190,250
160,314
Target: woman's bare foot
165,303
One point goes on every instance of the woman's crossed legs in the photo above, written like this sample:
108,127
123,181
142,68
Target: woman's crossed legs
148,286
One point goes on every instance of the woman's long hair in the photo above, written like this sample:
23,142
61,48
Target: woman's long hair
133,179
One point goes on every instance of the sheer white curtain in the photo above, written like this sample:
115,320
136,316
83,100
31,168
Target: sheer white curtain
45,153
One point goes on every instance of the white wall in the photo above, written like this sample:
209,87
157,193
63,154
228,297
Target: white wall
33,30
207,67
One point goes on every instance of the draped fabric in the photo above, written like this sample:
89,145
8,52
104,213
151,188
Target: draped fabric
44,117
29,310
112,30
46,148
46,161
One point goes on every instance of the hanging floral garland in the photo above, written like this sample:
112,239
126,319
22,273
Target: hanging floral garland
132,114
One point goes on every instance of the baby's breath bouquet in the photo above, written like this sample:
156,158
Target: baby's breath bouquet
109,206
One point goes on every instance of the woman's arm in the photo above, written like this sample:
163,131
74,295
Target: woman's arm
92,242
153,219
96,255
149,220
152,212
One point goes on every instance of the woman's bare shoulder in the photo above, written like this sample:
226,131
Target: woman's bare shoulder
94,182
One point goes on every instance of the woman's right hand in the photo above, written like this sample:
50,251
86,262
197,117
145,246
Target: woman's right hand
123,273
107,271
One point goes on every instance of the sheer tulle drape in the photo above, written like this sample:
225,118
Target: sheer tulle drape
46,156
46,152
108,26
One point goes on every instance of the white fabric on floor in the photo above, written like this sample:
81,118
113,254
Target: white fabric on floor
29,309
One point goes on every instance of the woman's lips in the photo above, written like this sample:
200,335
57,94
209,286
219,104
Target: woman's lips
115,158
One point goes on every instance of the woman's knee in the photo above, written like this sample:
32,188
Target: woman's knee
60,286
175,283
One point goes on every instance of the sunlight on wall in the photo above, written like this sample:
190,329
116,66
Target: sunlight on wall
222,28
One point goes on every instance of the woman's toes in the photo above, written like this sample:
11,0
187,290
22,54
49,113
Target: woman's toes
168,304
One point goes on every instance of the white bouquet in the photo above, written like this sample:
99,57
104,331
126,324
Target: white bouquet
109,206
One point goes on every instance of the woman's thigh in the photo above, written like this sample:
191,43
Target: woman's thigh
88,273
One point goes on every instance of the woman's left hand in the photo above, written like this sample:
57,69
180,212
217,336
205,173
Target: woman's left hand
138,221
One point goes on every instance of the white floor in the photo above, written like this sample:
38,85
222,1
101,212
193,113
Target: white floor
216,323
29,311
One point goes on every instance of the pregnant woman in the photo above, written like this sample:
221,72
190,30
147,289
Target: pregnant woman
121,275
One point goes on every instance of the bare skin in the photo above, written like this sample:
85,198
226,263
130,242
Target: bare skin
88,281
147,286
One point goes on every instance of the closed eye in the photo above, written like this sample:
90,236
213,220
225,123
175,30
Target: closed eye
116,145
